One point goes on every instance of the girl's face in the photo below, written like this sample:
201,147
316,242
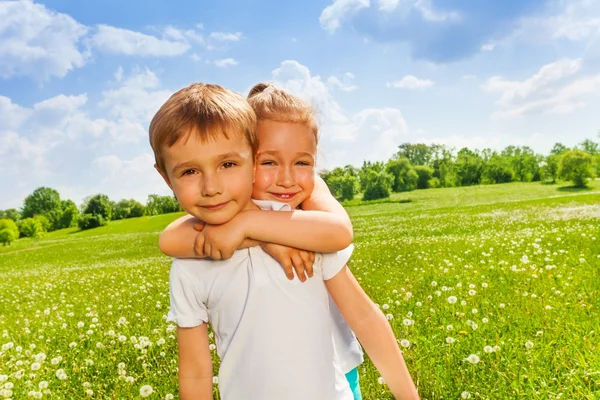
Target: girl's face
285,162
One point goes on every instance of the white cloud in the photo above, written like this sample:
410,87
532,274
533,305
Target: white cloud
226,62
332,15
425,8
411,82
346,138
37,42
226,36
388,5
345,84
547,91
123,41
54,143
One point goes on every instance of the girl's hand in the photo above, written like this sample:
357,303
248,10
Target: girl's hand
218,242
292,259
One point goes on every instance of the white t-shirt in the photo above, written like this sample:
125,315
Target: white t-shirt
273,335
346,345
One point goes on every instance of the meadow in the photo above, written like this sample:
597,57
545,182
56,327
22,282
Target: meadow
493,293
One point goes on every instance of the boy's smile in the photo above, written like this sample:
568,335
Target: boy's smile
212,179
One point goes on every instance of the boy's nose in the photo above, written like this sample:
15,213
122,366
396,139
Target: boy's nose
211,187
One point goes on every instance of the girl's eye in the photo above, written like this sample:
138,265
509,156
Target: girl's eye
303,163
228,164
268,163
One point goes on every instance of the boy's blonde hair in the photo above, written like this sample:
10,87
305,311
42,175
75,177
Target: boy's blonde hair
270,103
205,110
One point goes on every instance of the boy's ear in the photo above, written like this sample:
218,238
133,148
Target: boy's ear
164,176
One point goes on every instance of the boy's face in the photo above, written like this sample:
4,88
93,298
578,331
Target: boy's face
285,162
212,180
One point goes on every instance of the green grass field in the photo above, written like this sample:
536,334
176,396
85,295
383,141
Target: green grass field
493,292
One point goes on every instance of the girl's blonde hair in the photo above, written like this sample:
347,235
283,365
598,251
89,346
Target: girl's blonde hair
271,103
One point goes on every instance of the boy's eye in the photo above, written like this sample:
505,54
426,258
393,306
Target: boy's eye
188,172
303,163
228,164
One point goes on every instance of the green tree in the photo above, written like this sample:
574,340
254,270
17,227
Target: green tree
576,166
343,187
161,205
127,209
378,184
43,201
425,175
496,169
468,167
11,213
590,147
549,168
558,149
89,221
417,154
405,176
523,162
101,205
69,215
31,227
9,232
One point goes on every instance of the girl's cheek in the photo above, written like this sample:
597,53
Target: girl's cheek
262,181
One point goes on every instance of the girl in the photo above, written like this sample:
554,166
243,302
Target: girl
285,173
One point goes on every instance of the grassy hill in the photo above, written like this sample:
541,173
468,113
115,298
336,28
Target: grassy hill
508,273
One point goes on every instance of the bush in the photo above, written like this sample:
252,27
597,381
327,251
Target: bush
405,177
424,174
9,232
343,187
576,166
100,205
32,227
378,185
89,221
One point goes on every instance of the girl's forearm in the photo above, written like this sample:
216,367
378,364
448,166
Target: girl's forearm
179,239
307,230
378,340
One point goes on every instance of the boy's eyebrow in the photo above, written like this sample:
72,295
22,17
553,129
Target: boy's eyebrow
220,157
275,152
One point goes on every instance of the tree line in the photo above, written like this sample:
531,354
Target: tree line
423,166
44,211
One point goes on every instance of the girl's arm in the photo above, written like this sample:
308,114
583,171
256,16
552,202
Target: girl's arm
374,333
179,238
322,200
195,363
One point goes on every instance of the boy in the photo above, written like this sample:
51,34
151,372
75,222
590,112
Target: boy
273,335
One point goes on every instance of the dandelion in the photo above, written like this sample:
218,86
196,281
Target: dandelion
215,380
80,324
89,392
529,344
452,299
212,346
35,366
380,380
488,349
473,359
43,385
385,306
434,283
485,320
539,333
72,344
60,374
407,322
465,395
146,390
3,378
169,396
450,340
405,343
472,292
131,379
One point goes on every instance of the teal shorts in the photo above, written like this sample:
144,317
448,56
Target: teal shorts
352,378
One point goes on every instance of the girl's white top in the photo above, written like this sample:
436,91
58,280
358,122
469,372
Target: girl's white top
277,339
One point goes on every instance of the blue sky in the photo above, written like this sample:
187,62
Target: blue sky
80,81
